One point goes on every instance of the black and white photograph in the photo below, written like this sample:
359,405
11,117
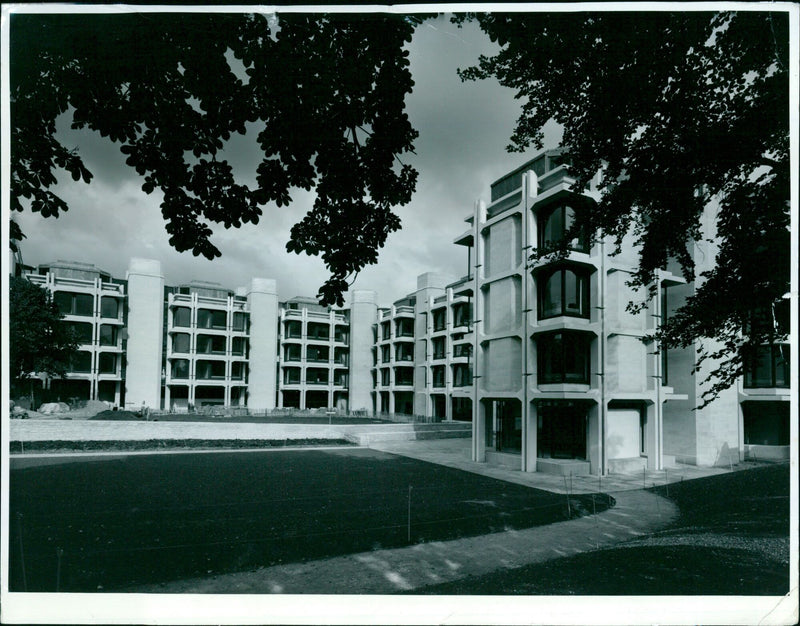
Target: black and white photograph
400,314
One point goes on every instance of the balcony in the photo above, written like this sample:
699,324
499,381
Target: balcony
404,311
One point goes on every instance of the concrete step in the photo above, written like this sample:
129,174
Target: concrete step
563,467
627,466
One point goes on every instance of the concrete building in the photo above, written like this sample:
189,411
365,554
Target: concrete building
542,355
565,380
93,304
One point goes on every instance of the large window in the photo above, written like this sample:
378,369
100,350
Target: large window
439,319
462,314
182,316
462,375
180,342
82,362
210,344
292,352
107,363
294,329
108,335
404,376
563,357
109,307
239,346
438,347
319,331
554,224
238,370
462,350
317,353
564,291
74,303
404,352
291,376
766,423
207,370
405,328
180,368
239,321
316,376
82,331
438,374
212,318
769,367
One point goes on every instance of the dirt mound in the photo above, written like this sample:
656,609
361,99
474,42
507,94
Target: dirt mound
115,415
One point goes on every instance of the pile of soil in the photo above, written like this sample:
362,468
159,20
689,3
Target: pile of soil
126,416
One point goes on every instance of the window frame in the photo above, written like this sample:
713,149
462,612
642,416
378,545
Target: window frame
583,280
572,343
542,221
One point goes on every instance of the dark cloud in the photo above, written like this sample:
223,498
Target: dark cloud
464,128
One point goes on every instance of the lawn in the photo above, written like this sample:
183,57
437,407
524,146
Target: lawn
152,518
731,538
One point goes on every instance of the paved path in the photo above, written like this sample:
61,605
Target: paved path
456,453
636,513
406,569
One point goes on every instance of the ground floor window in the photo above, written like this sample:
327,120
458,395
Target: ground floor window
404,402
561,430
462,409
504,425
317,399
291,399
766,423
439,402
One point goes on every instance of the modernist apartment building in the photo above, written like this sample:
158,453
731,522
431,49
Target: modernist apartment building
542,356
565,379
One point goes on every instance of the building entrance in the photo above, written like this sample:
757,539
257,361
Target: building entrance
508,423
561,431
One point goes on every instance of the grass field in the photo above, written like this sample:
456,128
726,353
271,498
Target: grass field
731,538
152,518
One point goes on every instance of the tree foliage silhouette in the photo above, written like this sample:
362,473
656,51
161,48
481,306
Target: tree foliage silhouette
679,112
39,342
324,92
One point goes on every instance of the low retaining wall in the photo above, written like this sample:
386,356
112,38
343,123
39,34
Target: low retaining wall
89,430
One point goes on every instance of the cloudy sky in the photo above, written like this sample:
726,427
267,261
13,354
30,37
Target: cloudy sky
464,128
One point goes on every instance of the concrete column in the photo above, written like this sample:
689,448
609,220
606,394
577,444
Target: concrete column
595,437
478,411
145,328
363,314
531,433
651,432
479,433
262,301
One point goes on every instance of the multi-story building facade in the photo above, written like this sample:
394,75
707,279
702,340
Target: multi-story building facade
540,353
566,380
93,304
